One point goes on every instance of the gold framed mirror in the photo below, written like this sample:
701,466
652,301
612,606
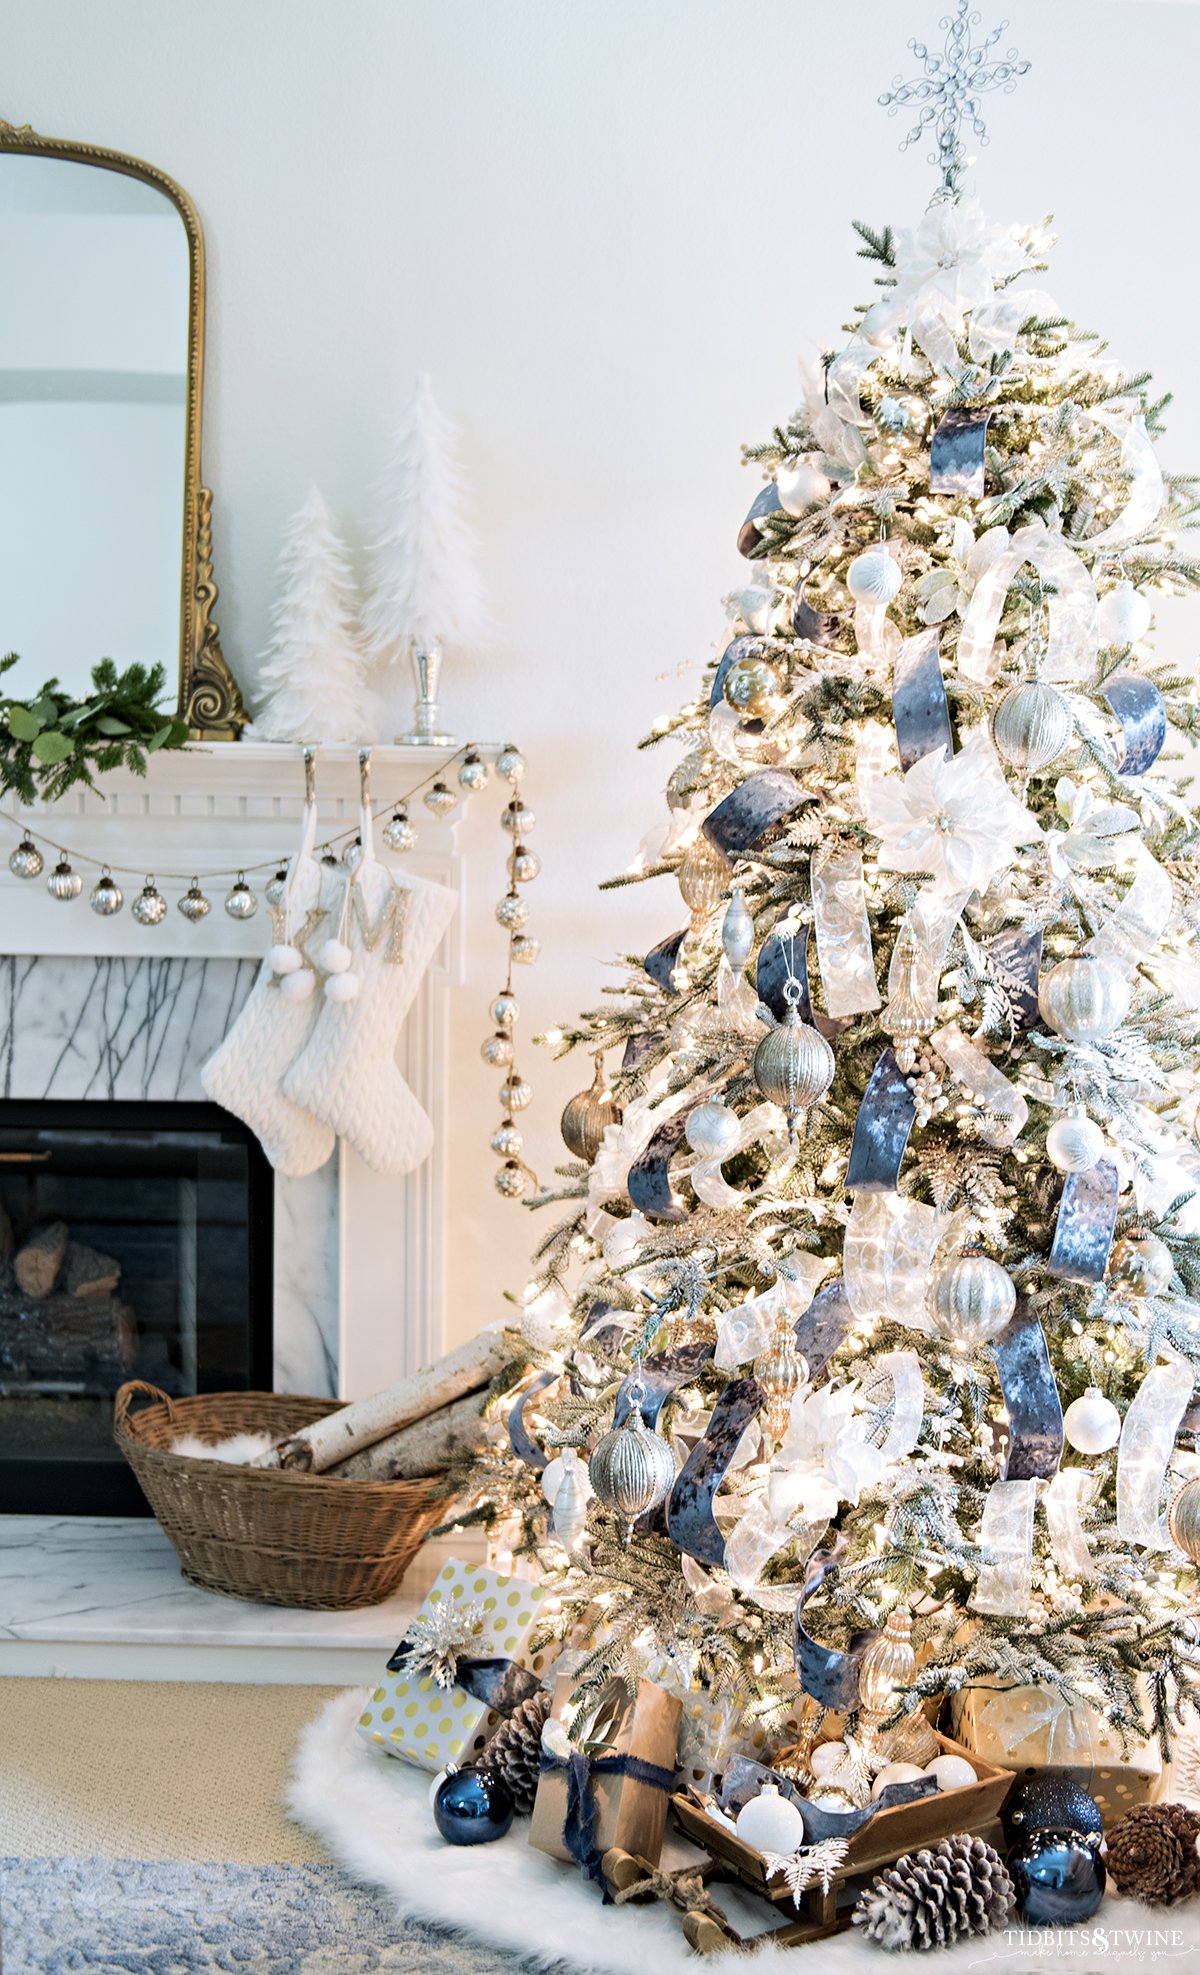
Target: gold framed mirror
106,526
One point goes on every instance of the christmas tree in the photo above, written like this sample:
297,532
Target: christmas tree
423,597
876,1306
313,670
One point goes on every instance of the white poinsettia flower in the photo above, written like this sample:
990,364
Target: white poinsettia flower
950,587
953,816
825,1458
953,260
1098,835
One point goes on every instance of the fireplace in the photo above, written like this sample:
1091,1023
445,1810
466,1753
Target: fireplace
136,1241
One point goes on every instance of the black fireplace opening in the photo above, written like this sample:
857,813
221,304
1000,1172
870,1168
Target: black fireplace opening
136,1241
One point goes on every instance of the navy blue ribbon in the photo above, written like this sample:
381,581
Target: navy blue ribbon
579,1825
885,1118
956,452
766,501
691,1525
1139,708
660,961
1086,1223
743,818
1035,1415
524,1447
501,1684
920,712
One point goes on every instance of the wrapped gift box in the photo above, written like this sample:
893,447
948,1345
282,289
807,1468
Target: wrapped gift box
1074,1742
409,1714
629,1814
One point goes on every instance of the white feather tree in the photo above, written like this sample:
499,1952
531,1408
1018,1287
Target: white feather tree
314,672
423,590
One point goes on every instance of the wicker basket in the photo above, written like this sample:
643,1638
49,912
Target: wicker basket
278,1538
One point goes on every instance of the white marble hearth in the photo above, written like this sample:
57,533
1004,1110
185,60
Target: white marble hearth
103,1598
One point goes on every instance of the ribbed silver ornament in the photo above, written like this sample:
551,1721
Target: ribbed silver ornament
1032,726
632,1468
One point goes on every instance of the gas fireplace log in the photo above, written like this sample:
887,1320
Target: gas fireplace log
88,1273
37,1264
318,1447
66,1339
425,1447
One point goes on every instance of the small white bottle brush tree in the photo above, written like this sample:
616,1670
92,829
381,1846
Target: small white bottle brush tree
423,598
314,674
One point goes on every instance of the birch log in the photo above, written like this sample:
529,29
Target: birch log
326,1442
426,1447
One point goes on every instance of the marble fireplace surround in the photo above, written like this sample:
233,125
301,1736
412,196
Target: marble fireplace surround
103,1009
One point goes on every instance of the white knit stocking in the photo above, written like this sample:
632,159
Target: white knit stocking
346,1073
244,1074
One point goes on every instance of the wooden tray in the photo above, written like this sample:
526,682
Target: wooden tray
974,1808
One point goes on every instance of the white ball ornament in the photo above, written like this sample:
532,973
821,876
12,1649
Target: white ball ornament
874,577
801,486
334,956
951,1772
341,987
298,986
1074,1143
713,1130
1123,616
1092,1424
285,959
1084,998
826,1757
896,1772
770,1822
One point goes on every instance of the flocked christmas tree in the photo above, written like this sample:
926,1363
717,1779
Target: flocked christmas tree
313,670
424,599
886,1233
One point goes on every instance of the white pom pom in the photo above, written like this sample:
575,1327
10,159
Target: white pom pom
873,577
285,959
342,987
298,986
334,957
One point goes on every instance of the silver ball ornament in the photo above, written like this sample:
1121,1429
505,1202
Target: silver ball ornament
972,1300
511,1179
1074,1143
275,889
1142,1264
149,908
193,905
1123,616
497,1050
737,931
107,896
516,1094
1084,998
473,774
713,1130
632,1469
506,1140
63,883
793,1065
1092,1423
523,865
1183,1520
524,949
512,911
26,861
398,832
510,763
504,1010
801,486
517,820
439,800
240,901
1032,726
874,577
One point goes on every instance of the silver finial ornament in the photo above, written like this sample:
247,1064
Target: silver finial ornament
947,91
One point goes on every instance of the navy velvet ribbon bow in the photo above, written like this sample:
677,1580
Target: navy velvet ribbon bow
500,1683
579,1825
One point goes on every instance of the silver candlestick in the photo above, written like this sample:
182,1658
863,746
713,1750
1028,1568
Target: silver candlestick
426,665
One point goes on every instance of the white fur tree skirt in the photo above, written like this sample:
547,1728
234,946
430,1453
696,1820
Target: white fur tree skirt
373,1813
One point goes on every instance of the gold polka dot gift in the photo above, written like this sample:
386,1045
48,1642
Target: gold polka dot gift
424,1718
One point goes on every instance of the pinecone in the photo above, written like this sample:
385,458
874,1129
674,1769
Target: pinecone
930,1898
1152,1853
515,1750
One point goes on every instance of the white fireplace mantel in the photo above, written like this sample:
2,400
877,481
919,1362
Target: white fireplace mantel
359,1294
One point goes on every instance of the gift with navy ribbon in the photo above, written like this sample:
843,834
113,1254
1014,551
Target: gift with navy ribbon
611,1785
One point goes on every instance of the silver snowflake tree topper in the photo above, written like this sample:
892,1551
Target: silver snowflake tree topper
948,90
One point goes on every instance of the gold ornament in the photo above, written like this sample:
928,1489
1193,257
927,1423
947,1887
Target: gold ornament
793,1065
1141,1263
703,877
1032,726
906,1018
1183,1520
752,686
887,1665
633,1468
587,1117
780,1372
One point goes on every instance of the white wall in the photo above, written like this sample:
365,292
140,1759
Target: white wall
607,227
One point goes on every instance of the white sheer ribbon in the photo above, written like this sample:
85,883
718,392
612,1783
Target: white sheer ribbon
1004,1588
1073,638
888,1248
843,927
981,1078
1146,1445
1140,461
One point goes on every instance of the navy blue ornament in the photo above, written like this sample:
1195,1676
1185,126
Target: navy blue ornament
473,1807
1057,1876
1051,1803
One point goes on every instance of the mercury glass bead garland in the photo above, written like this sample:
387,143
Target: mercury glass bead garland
398,832
107,896
193,905
513,1178
240,901
64,884
26,861
149,908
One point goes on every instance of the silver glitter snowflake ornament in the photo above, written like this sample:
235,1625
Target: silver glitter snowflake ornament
948,90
